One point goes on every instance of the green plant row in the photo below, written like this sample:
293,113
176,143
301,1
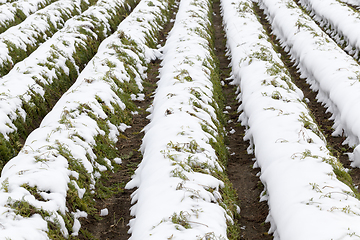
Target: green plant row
218,142
35,84
21,40
12,14
77,141
229,194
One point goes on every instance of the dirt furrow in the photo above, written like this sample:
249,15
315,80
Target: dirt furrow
240,165
115,224
317,109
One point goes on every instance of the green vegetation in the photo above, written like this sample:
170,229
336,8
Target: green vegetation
217,140
20,16
18,53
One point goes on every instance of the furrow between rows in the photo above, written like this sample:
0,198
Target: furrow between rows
115,223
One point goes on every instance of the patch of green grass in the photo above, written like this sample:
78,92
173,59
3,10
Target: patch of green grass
181,219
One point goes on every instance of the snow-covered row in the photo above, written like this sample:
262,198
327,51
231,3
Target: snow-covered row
6,1
179,194
14,13
340,21
305,196
326,67
34,84
355,3
63,157
19,41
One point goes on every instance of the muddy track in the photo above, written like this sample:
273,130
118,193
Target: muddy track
115,224
240,165
317,109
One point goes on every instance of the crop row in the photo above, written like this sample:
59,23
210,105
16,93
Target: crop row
18,42
12,14
305,186
33,86
53,180
181,181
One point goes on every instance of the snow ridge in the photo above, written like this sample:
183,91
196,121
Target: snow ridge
178,195
340,21
13,13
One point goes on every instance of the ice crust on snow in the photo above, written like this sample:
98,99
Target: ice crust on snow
306,200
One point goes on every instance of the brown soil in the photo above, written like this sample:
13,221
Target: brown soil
240,165
115,224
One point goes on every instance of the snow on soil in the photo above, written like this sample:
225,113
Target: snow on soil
305,198
355,3
68,127
339,21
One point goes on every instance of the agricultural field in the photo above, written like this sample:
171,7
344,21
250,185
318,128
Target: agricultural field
180,119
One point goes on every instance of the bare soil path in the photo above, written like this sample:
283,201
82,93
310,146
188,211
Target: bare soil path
115,224
240,165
